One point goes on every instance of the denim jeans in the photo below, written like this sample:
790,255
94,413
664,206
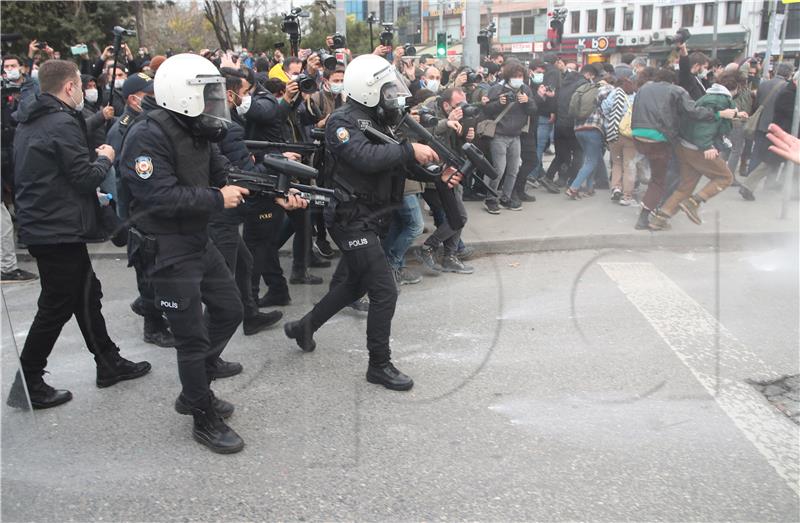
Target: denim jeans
506,157
406,225
544,129
592,144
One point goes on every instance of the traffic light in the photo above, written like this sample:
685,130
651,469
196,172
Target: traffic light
441,45
556,30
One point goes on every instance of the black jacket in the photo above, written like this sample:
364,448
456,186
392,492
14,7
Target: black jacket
661,106
517,117
267,116
570,83
55,178
688,81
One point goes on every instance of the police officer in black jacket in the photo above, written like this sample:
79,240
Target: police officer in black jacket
177,179
373,176
56,179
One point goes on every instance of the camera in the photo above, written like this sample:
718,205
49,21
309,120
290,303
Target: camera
427,118
41,45
386,35
470,111
472,76
485,38
328,60
306,84
339,41
121,31
409,50
681,37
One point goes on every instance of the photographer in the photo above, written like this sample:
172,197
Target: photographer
116,83
511,104
692,71
549,76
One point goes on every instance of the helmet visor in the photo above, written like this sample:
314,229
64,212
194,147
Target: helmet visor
215,100
394,94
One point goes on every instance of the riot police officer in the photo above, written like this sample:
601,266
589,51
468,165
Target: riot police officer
373,176
177,179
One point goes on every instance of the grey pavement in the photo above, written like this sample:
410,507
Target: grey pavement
547,389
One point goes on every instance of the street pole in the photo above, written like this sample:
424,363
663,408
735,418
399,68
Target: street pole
341,18
441,15
716,28
783,36
770,34
472,22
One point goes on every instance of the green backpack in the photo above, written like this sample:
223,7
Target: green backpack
584,101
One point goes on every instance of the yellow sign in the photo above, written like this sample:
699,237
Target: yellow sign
791,1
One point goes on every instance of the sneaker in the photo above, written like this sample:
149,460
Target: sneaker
522,196
659,221
616,195
426,256
747,194
511,204
549,152
691,206
406,276
550,186
17,276
466,253
627,201
451,263
588,193
491,206
323,249
361,304
572,194
533,182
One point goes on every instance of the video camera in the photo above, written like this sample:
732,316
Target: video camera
681,37
276,181
291,26
121,31
485,38
387,35
409,50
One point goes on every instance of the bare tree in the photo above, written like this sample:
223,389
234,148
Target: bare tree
215,14
138,12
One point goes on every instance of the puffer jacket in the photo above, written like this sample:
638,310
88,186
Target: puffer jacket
55,179
661,106
706,135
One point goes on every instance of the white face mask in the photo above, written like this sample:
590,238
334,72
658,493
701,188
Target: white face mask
242,109
538,78
90,95
78,105
515,83
118,83
12,74
35,73
336,88
433,85
294,77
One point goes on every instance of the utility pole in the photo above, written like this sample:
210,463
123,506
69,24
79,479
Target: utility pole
770,34
441,15
784,23
472,23
716,28
341,18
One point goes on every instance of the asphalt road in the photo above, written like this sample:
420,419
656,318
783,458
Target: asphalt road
554,386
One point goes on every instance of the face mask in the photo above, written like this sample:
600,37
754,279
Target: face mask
515,83
433,85
336,88
538,78
242,109
35,73
118,83
210,128
138,106
12,74
702,74
78,105
90,95
294,77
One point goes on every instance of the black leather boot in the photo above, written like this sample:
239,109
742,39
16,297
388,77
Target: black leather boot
157,332
388,376
113,368
42,395
225,369
210,430
301,332
224,408
260,321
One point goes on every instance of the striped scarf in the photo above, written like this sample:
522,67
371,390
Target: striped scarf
615,115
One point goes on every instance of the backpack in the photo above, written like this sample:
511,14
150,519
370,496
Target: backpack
625,128
584,101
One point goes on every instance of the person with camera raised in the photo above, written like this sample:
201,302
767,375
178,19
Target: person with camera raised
692,68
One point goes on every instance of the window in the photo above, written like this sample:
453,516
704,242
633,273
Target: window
666,17
687,16
592,21
733,13
576,22
627,19
611,19
708,14
647,17
522,25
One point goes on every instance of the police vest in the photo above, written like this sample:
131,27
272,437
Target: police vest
191,159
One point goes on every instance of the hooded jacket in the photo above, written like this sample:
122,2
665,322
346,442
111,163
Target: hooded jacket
660,106
55,178
708,134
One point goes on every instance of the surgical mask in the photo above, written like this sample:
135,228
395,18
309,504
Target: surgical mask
538,78
515,83
78,105
12,74
336,88
294,77
90,95
433,85
35,74
242,108
703,74
138,106
118,83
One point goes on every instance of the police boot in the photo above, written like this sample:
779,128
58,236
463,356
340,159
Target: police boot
643,223
388,376
42,395
260,321
224,409
210,430
113,368
224,369
301,332
157,332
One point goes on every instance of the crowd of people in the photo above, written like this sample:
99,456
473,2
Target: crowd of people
91,131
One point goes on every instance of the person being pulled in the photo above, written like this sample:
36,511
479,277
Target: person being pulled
177,180
372,177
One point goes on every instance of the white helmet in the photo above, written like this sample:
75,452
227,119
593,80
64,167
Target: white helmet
368,76
189,84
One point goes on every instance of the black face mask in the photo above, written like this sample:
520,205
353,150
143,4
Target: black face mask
212,129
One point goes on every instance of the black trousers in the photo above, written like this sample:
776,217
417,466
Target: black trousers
568,159
238,259
147,294
363,270
529,159
297,227
261,234
181,291
69,287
